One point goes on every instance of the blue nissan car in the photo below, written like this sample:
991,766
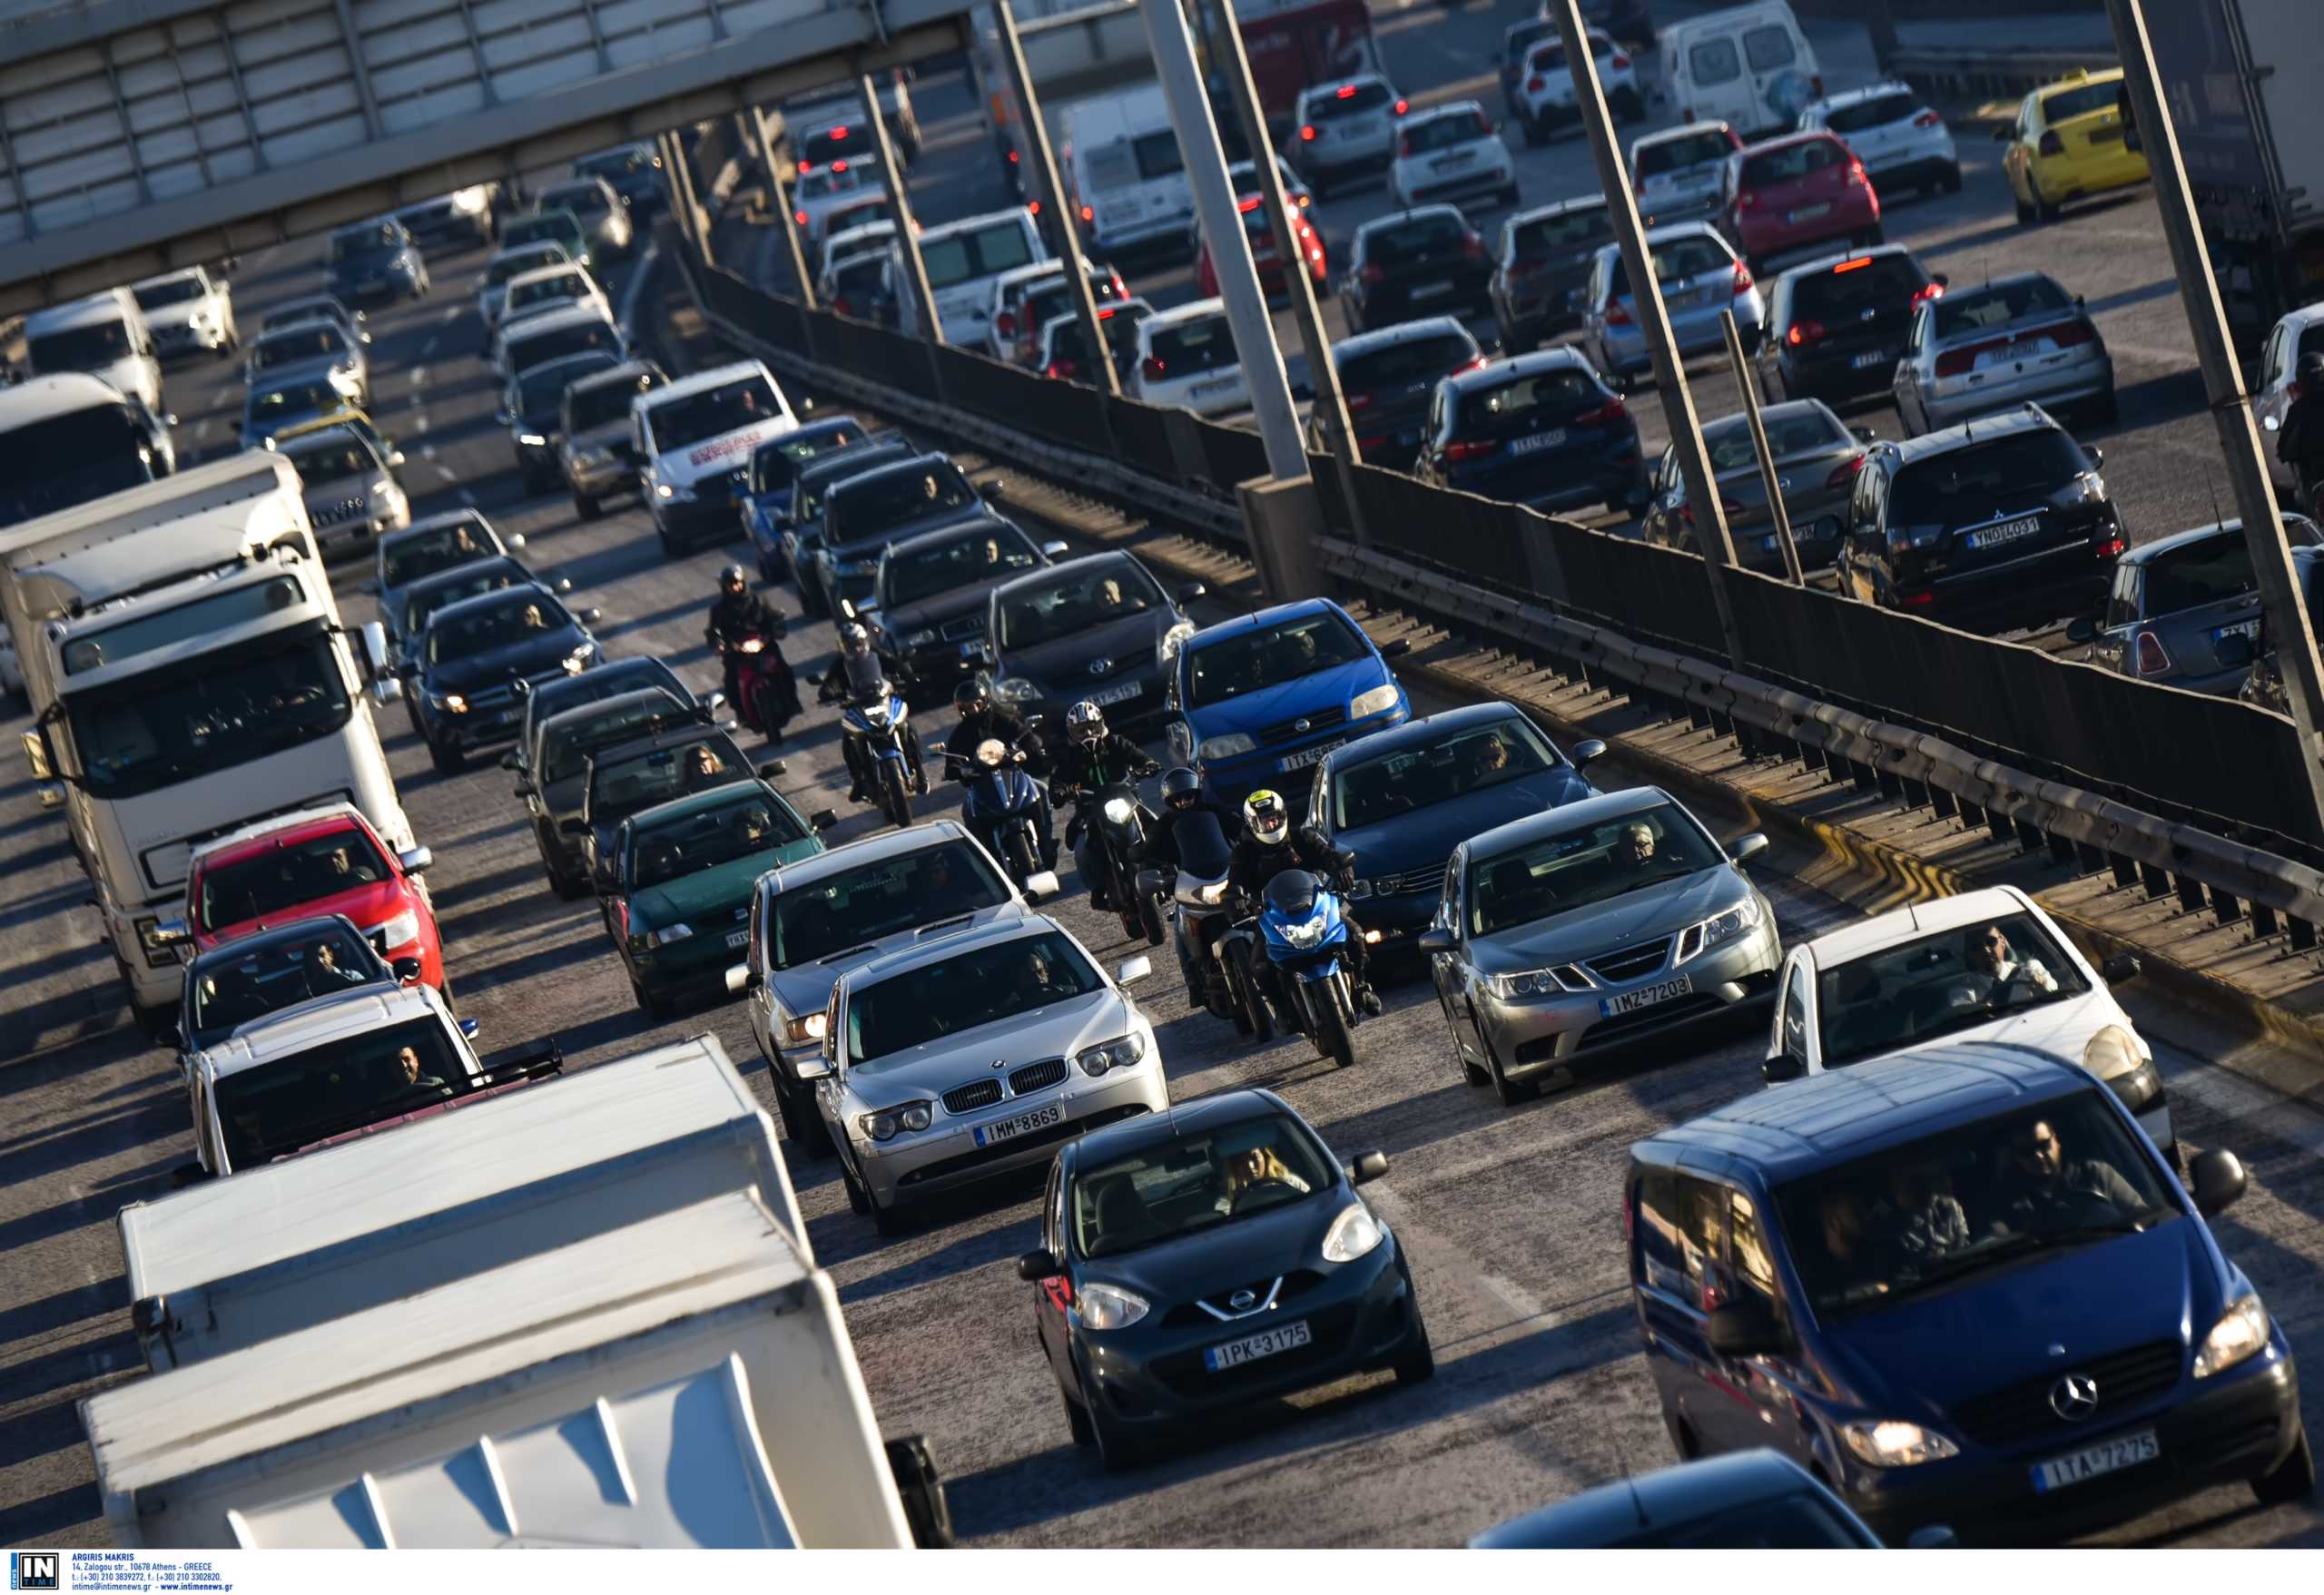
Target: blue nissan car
1262,699
775,466
1960,1287
1402,800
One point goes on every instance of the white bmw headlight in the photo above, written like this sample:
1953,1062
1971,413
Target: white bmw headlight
2239,1334
1378,700
889,1123
1120,1053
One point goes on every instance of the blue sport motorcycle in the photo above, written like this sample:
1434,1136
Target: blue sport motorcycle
880,725
1003,808
1306,939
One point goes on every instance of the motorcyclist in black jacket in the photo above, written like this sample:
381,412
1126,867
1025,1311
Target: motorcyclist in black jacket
737,614
980,717
1271,844
1182,796
856,677
1093,759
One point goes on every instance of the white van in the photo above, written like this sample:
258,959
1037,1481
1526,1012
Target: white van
105,335
1126,176
1749,66
963,258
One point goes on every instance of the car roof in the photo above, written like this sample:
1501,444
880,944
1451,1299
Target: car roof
1178,1119
181,274
1565,817
1847,97
1016,274
2028,418
1672,135
627,371
42,396
1814,135
281,830
1425,731
468,572
1240,625
1615,1512
1450,109
2081,78
1563,357
2007,280
1843,1114
549,273
869,850
2147,553
467,514
974,223
1402,333
703,381
313,440
991,933
284,331
1916,919
1395,218
530,246
355,1012
554,320
1549,213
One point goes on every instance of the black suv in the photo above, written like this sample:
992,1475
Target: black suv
1837,327
1417,264
1998,522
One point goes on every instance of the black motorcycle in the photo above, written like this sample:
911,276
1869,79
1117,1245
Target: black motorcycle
1213,955
1119,818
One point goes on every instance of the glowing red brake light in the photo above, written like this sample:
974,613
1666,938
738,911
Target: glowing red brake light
839,166
1087,215
1606,414
1536,84
1469,449
799,217
1307,135
1618,314
1803,333
1248,206
1358,400
839,134
1926,292
2073,335
1346,92
1065,370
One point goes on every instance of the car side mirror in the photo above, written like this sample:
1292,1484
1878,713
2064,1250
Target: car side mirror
514,541
416,861
740,978
1369,1167
1042,885
1585,752
563,585
1782,1066
2235,650
501,418
823,819
773,769
1132,971
1039,1266
586,616
395,459
712,700
1396,649
1054,551
1743,1329
814,1068
170,932
996,488
1437,939
2083,629
406,970
469,1028
1748,848
2219,1181
1191,591
2121,967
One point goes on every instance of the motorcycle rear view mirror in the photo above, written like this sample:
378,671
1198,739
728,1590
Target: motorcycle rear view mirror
1132,971
823,819
1040,885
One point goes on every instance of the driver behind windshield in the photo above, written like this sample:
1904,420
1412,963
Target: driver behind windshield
1996,976
2044,1187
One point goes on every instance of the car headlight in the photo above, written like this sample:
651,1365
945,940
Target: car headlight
470,200
1226,747
1015,689
1122,1052
1378,700
2238,1336
1110,1307
680,931
1119,810
1721,928
1353,1233
2113,1056
343,379
920,638
578,660
396,932
889,1123
532,440
381,487
1167,646
1549,982
1891,1442
874,714
454,703
1309,933
800,1031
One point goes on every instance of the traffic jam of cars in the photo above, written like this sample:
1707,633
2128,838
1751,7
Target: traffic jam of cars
1109,946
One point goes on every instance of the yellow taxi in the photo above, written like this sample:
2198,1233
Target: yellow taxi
2067,144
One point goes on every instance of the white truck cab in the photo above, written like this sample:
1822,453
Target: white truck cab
694,438
103,335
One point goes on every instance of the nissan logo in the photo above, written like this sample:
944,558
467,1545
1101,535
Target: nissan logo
1242,1299
2074,1397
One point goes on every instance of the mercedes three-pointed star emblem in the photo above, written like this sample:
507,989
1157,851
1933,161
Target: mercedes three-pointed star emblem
2074,1397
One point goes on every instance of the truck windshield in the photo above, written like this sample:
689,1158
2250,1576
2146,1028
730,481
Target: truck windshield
982,986
279,1106
261,885
62,460
79,348
728,407
176,290
201,716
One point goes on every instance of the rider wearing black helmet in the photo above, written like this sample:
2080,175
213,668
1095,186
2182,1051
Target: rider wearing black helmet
738,613
1272,843
1181,796
980,717
1093,759
856,677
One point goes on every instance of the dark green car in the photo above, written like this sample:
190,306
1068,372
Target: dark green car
681,904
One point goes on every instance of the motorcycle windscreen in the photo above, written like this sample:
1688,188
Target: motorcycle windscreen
1203,851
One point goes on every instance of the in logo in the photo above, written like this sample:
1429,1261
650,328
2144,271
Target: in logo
35,1569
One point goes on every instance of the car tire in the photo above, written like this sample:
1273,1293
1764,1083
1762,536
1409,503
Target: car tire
1512,1093
2025,210
586,507
2291,1480
1626,105
1950,179
1509,196
1416,1364
1536,135
1117,1452
1076,1421
2108,408
803,1127
448,760
670,549
2044,209
657,1009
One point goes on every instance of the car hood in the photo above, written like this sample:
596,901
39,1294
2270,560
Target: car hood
1601,927
1239,1252
367,905
1319,689
1060,1029
718,898
529,657
2063,1028
1428,836
722,453
1927,1353
807,988
940,607
1066,660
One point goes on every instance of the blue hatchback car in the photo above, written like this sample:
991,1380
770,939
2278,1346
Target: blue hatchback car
1961,1288
774,478
1542,429
1402,800
1260,699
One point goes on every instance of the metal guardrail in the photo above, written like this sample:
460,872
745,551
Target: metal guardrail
1987,74
2081,829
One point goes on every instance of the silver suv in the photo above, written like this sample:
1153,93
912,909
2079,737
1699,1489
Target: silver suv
2014,340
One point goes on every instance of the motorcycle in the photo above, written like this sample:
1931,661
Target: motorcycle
768,692
1120,823
1306,939
1204,918
1001,808
880,724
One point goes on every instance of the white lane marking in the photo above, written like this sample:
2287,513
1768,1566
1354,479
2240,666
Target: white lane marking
467,497
201,430
638,276
445,471
419,423
428,451
428,348
418,376
449,313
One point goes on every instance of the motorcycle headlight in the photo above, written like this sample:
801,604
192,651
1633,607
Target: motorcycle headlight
1110,1307
1378,700
1353,1234
1226,747
1014,690
1122,1052
1120,810
1167,646
1309,933
800,1031
887,1123
454,703
532,439
1891,1442
2113,1056
679,932
920,638
2239,1335
1721,928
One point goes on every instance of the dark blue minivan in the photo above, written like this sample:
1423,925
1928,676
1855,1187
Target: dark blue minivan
1961,1288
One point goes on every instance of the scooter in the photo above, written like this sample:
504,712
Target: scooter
880,724
1204,920
1002,807
1306,939
768,692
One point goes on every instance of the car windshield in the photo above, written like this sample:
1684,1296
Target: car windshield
2068,103
332,461
565,745
1253,661
908,577
890,1020
568,284
209,713
1565,233
1446,132
1561,393
1202,343
746,401
516,263
432,549
1930,1214
1877,111
1348,100
743,827
177,291
985,251
251,978
79,348
265,884
324,308
850,910
555,343
1665,156
1568,869
776,464
541,391
596,404
377,237
293,1102
1913,992
558,227
1980,310
494,625
817,481
1378,790
1035,613
295,346
1729,440
866,506
638,783
68,458
1411,238
1855,288
1962,486
1691,254
1195,1182
489,578
1414,359
296,398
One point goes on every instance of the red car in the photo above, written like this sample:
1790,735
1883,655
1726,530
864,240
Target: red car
1263,256
1793,194
322,860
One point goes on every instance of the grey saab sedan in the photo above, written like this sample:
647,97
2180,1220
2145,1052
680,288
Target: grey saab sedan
1599,924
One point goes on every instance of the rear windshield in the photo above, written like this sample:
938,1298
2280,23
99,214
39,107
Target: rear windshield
600,402
420,553
377,237
1563,233
297,399
1417,235
265,884
565,749
1350,100
2202,572
1518,407
1792,161
872,504
1002,246
2068,103
1876,112
1677,258
1446,132
1207,343
1729,440
728,407
1852,287
777,464
887,1023
1981,309
1962,485
832,142
956,563
1518,39
560,227
1400,364
1550,56
852,908
707,838
540,290
1697,149
585,199
80,348
1253,661
177,291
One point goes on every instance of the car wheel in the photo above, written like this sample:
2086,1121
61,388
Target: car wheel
2043,207
1536,135
1950,180
803,1127
1117,1452
1416,1364
1077,1419
857,1202
2108,408
448,760
2291,1480
1626,105
1512,1093
655,1008
587,508
2024,211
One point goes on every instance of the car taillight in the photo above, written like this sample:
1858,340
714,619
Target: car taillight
1006,323
839,308
2073,335
1844,473
1536,84
2151,659
805,167
1307,135
1065,370
1473,247
1153,368
1523,269
1956,363
1742,277
1618,314
1358,400
1621,63
1857,178
1375,273
2110,547
1927,119
1605,414
1033,207
1802,333
1088,214
1746,200
1469,449
1403,106
1379,440
2051,145
799,217
1925,292
1013,157
1476,364
1916,600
